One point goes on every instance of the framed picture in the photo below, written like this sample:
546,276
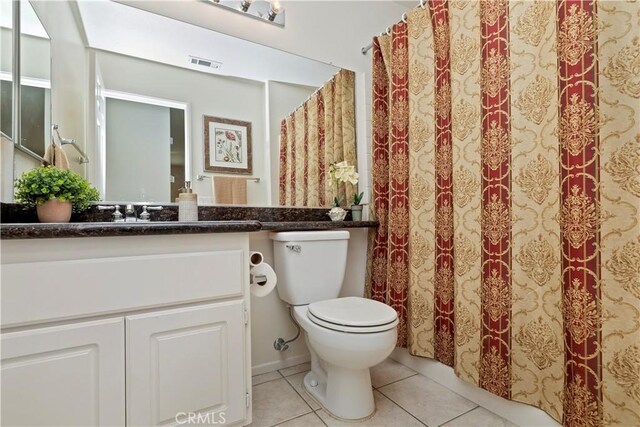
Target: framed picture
227,146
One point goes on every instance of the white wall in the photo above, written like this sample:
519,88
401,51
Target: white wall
208,94
284,98
68,73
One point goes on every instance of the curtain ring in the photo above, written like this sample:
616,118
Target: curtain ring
388,31
422,4
404,18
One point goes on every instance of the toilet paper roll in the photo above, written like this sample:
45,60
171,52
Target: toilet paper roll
255,258
263,280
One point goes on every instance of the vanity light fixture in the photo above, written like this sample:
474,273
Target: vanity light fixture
274,10
246,4
271,12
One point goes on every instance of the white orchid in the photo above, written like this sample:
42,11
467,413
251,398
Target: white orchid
342,172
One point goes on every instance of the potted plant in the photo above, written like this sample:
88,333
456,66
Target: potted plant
356,207
54,192
339,173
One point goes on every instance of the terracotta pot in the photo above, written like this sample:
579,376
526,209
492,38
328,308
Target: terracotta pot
54,211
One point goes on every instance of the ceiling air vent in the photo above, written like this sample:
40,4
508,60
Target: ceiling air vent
201,62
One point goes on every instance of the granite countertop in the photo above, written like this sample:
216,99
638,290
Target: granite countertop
106,229
23,224
315,225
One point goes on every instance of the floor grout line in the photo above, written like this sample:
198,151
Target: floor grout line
400,406
458,416
268,381
294,389
316,412
311,410
396,381
295,418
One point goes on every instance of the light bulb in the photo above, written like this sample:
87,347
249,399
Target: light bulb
276,7
245,5
274,10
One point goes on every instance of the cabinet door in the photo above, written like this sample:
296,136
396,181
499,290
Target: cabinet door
185,362
64,375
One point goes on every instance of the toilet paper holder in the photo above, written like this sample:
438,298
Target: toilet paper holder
260,279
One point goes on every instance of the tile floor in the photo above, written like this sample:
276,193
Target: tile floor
403,397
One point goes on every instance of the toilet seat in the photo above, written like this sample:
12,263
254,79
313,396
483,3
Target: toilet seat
353,315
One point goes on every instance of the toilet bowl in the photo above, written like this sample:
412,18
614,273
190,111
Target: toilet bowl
345,336
343,348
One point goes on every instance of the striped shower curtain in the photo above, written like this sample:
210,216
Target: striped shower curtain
317,134
506,179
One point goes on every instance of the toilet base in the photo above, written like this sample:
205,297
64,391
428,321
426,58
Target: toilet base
349,391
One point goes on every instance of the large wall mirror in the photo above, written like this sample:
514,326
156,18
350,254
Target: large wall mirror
30,128
154,101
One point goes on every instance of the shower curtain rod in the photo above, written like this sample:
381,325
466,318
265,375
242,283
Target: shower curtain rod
315,92
367,48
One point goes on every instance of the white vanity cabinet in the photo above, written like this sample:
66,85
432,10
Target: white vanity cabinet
68,375
136,330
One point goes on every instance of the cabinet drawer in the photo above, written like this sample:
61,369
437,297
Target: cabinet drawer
43,291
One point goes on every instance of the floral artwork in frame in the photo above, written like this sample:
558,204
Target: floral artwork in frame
227,146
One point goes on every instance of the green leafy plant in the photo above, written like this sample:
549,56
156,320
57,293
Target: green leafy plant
357,198
39,185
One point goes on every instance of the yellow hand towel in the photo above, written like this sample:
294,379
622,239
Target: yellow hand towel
229,190
55,156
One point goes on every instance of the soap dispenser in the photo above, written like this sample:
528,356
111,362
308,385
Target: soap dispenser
187,204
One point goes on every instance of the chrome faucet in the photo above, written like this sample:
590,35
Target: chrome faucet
130,214
116,215
145,216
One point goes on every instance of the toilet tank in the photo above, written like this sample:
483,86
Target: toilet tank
310,265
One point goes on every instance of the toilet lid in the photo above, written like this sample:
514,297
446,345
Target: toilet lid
353,312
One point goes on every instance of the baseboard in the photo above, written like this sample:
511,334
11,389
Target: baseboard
280,364
518,413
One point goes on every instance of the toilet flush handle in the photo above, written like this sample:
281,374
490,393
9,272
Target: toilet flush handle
295,248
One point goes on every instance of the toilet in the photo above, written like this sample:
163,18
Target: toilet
346,336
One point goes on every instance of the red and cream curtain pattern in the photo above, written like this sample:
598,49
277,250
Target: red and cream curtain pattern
506,180
317,134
